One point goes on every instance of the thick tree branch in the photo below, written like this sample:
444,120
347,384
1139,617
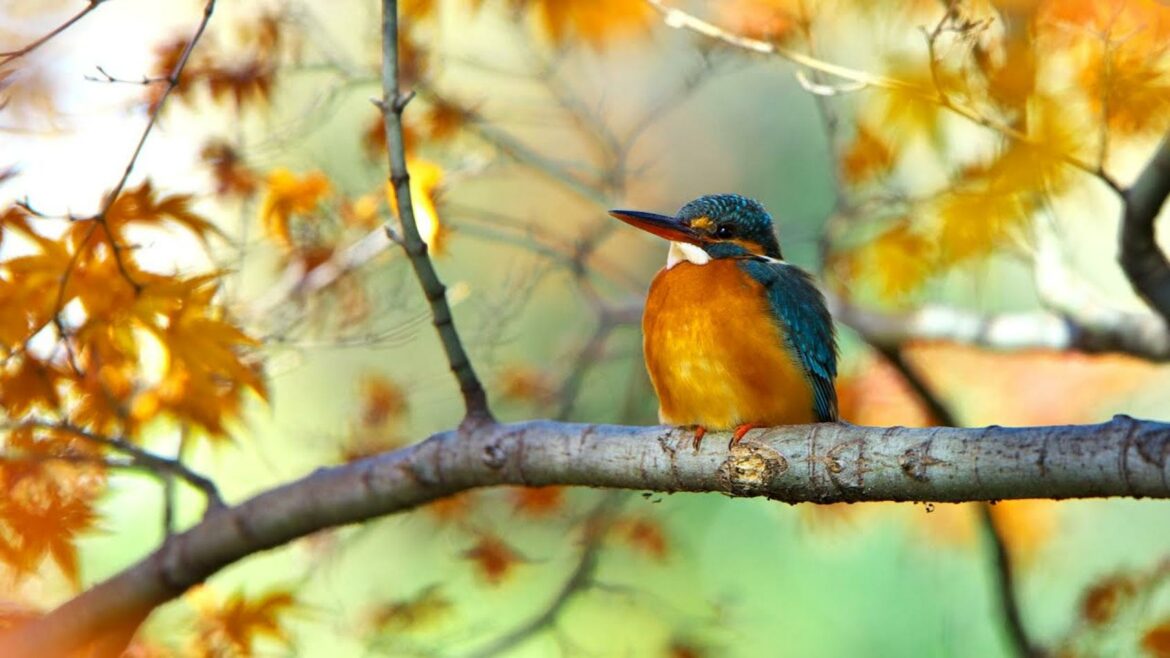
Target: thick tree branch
392,105
1143,261
818,463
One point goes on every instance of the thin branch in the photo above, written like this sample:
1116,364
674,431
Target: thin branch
1006,588
822,463
1142,335
580,578
144,459
6,57
1142,260
393,103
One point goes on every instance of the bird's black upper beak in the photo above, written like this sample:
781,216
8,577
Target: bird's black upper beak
671,228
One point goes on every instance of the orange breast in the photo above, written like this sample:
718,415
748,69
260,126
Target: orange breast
715,355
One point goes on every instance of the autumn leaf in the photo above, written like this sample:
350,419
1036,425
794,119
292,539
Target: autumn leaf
424,610
867,157
232,176
235,624
972,224
1104,599
522,383
493,559
443,119
1129,85
289,195
41,516
426,178
382,400
452,509
769,20
899,261
537,502
596,23
1156,640
143,205
644,535
28,384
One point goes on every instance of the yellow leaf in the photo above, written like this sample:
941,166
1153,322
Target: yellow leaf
899,260
867,156
1129,86
595,22
288,195
973,224
426,178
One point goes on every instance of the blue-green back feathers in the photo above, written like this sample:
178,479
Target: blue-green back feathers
807,326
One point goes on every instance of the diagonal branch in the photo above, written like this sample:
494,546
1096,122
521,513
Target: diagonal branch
8,56
801,463
392,104
1143,261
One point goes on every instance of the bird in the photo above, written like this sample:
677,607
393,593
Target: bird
734,336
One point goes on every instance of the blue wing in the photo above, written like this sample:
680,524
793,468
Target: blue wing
808,327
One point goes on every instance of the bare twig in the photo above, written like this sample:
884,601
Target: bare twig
392,105
1005,587
580,579
144,459
6,57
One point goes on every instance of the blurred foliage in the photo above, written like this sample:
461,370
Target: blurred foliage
233,304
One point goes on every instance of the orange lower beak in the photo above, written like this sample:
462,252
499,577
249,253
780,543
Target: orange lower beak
671,228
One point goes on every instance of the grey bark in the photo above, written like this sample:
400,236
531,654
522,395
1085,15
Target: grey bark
824,463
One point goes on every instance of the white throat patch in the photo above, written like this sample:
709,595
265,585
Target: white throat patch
684,251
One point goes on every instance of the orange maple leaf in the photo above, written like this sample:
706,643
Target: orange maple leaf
537,502
237,623
493,558
288,195
1156,640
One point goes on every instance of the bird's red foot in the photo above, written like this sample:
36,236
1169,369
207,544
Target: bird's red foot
738,435
700,431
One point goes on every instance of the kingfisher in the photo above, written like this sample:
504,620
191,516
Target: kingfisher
734,336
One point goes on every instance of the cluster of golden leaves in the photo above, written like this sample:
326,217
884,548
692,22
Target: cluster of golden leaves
93,349
1045,124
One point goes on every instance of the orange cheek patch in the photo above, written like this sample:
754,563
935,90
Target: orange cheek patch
750,246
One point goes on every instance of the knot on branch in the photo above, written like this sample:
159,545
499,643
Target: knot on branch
750,469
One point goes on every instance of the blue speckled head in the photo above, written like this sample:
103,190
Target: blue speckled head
734,225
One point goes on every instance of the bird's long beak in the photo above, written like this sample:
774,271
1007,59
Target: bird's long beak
671,228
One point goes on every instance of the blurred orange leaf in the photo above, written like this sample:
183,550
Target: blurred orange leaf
234,625
426,178
594,22
493,558
423,610
899,261
644,535
382,400
867,156
537,502
770,20
288,195
1156,640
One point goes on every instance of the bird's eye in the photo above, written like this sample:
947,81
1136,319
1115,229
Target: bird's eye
723,231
